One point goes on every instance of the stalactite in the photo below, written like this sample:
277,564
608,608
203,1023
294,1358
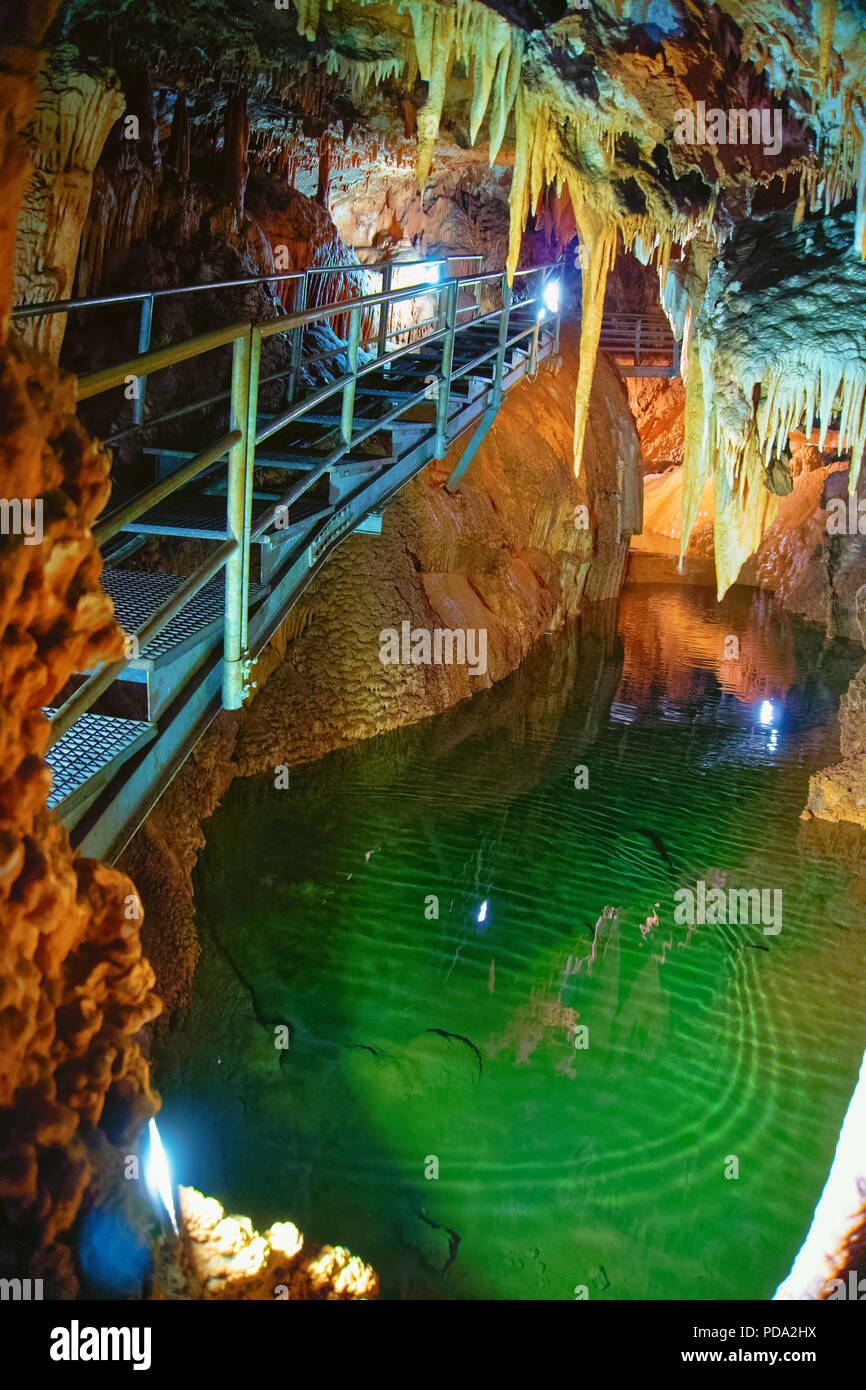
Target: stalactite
486,57
74,115
860,219
743,509
828,24
236,126
505,93
308,16
178,144
434,39
324,178
598,239
518,198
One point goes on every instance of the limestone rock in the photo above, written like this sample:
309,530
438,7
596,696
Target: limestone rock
75,110
223,1257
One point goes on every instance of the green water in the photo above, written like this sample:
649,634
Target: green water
605,1166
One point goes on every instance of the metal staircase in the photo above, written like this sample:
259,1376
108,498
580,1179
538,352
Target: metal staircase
338,452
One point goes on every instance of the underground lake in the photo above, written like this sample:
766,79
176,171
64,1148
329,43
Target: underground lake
447,1011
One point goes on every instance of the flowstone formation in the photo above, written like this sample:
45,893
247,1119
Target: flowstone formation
75,989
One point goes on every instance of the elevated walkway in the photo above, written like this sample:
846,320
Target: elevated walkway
267,501
640,344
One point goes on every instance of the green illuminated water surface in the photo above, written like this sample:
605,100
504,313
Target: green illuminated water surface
558,1166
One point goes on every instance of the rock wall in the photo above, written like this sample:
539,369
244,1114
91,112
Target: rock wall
75,987
657,405
838,793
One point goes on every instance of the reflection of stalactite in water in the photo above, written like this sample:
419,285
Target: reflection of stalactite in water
642,1022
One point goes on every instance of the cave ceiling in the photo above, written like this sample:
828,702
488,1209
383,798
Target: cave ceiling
652,126
589,92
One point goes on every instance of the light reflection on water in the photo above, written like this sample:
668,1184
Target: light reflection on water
457,1041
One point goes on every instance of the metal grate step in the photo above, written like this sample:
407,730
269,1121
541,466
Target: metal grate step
136,595
89,754
289,458
202,516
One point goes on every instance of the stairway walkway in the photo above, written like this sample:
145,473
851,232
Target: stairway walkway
267,502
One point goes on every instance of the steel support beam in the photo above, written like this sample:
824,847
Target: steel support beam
233,682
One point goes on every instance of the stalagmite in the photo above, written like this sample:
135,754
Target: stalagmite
324,176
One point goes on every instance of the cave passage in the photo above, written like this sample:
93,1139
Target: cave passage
438,1103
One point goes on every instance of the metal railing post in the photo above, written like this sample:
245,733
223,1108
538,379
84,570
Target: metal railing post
348,410
299,302
637,343
532,369
233,679
447,364
145,323
249,465
382,345
441,308
503,339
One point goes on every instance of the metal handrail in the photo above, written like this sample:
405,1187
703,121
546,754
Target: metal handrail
156,359
641,336
147,299
97,684
245,433
150,496
64,306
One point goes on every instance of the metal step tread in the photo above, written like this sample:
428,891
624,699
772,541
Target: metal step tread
460,358
136,595
203,516
287,458
306,462
94,744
